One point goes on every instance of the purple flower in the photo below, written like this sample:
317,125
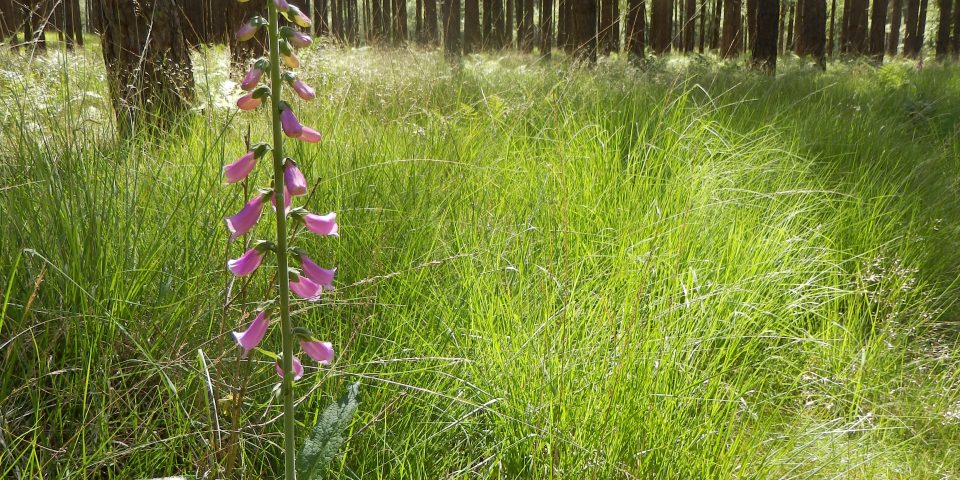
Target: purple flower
251,79
246,32
282,5
306,288
303,90
248,102
309,135
322,224
246,218
296,16
321,352
297,369
239,169
317,274
247,263
291,126
300,40
293,178
254,334
291,60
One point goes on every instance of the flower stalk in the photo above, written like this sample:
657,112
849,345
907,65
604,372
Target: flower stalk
283,274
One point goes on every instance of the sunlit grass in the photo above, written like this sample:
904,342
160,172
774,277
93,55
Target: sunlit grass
684,271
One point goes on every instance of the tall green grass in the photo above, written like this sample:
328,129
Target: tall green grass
684,271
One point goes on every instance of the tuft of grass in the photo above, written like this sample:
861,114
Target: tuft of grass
681,271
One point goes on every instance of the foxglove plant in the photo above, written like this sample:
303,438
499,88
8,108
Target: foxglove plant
287,178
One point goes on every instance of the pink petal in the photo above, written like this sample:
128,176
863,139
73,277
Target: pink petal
293,179
247,102
253,335
246,264
306,288
291,126
322,224
251,79
317,274
242,167
300,40
319,351
303,90
246,218
309,135
282,5
297,369
246,32
286,200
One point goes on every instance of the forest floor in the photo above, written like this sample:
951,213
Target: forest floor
688,270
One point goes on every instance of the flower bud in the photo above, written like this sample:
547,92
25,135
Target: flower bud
293,178
309,135
304,91
248,102
249,29
288,121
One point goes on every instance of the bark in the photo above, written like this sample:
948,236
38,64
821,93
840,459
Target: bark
878,23
498,24
606,25
853,36
353,22
451,28
955,45
471,26
943,29
921,26
147,60
790,20
752,23
321,22
715,37
833,24
418,21
508,26
584,29
703,24
765,43
430,21
732,39
546,28
689,25
661,25
525,29
811,29
636,24
893,40
910,36
400,31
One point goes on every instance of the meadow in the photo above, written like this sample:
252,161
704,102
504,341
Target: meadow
682,269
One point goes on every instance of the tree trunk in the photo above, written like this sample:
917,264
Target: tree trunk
451,28
956,31
893,40
661,25
878,24
703,25
910,43
526,40
606,25
689,25
921,27
471,26
147,60
321,22
584,31
546,28
508,26
376,21
752,23
636,24
400,31
765,43
715,37
811,30
430,21
943,29
418,21
833,24
790,20
732,39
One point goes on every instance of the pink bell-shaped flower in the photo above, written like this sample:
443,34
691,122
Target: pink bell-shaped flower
325,225
306,288
247,263
253,335
246,218
248,102
251,79
309,135
297,369
291,126
242,167
317,274
321,352
293,178
290,60
249,29
303,90
282,5
296,16
300,40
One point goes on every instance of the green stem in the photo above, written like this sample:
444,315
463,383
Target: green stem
276,88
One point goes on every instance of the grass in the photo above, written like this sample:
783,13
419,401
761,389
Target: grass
684,271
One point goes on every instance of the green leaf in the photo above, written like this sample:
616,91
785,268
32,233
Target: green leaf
327,436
